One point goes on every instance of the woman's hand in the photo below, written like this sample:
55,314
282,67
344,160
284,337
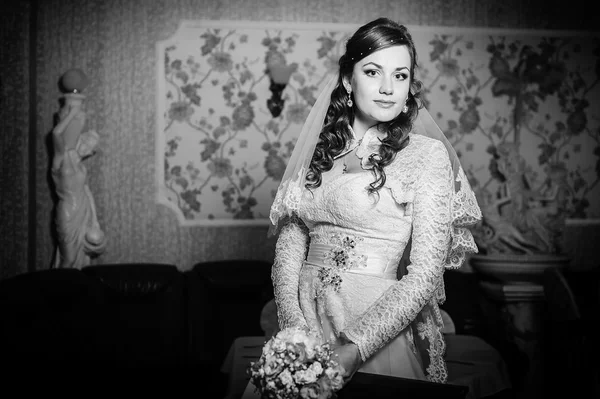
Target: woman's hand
348,356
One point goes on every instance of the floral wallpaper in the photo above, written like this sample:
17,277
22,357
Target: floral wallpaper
226,128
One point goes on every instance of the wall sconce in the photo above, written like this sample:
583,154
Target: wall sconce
279,75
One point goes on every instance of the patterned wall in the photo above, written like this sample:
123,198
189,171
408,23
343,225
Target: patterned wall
222,148
113,41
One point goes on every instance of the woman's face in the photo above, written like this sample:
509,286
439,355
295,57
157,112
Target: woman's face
380,83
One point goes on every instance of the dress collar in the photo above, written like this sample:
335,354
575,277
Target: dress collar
369,144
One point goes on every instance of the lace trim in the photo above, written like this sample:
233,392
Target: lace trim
465,210
436,371
465,213
290,252
287,199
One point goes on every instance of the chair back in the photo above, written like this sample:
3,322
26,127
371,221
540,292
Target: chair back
228,297
144,319
45,317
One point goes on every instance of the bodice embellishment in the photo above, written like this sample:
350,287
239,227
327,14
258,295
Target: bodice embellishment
342,256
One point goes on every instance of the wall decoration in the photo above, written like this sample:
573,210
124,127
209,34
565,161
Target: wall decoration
232,97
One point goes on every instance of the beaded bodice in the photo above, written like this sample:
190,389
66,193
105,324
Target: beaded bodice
342,207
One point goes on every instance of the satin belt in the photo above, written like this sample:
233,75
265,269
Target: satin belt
376,265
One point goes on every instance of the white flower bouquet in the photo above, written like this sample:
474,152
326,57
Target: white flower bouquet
295,364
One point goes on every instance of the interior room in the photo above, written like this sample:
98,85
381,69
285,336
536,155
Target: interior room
190,111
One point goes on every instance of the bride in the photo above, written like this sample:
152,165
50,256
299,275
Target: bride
370,172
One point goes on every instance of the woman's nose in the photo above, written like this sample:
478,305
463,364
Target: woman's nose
386,86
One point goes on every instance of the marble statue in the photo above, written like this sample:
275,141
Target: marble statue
79,235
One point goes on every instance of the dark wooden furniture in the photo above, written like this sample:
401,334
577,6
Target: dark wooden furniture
369,386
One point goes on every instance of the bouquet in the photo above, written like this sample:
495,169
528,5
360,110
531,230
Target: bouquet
295,364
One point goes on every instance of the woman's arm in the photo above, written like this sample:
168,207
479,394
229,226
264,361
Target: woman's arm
401,303
290,253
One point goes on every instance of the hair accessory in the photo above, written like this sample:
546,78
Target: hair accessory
376,47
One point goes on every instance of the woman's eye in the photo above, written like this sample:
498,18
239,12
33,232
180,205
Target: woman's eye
401,76
371,72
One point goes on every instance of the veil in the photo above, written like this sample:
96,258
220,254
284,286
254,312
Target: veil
293,180
465,209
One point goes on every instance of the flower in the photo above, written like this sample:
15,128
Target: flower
499,66
274,166
221,61
469,120
295,364
310,391
449,67
243,115
180,111
220,167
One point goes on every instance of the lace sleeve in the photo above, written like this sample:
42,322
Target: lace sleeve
401,303
290,253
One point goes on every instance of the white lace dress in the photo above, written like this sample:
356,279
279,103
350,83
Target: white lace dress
337,259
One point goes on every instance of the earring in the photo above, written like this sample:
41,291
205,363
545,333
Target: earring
405,108
349,103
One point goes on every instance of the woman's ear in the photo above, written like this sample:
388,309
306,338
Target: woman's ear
346,83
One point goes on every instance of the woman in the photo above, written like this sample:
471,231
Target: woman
370,172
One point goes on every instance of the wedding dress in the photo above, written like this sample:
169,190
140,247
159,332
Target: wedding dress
336,267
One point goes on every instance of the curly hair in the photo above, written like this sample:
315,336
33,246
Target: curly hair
373,36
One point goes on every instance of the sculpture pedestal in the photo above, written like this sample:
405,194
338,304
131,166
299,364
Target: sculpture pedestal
513,287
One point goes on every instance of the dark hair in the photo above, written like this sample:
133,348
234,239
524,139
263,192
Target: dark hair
375,35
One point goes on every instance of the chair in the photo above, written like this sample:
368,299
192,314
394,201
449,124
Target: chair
242,352
227,297
47,319
144,317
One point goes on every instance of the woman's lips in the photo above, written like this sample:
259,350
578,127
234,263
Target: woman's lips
385,104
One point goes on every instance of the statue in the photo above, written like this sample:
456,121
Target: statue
519,219
80,237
